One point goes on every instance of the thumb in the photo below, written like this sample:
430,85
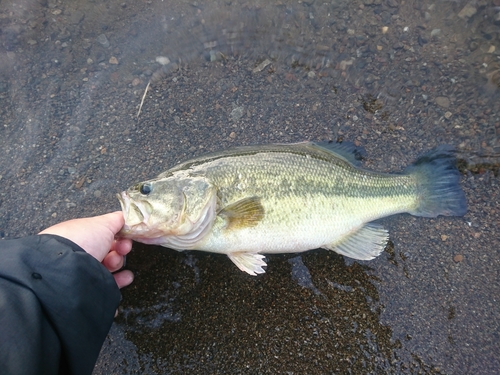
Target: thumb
114,221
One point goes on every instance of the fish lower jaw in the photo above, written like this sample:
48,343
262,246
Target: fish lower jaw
142,233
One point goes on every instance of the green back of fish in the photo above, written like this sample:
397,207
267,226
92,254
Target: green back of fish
283,171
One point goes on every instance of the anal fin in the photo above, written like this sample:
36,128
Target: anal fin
364,244
250,263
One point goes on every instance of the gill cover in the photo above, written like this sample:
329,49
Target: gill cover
198,214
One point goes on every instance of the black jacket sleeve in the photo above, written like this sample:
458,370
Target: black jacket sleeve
57,304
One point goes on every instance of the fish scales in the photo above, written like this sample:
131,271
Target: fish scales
312,196
290,198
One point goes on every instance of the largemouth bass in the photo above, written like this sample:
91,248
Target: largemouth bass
257,200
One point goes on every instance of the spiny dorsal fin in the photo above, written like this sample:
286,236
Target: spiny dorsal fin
246,212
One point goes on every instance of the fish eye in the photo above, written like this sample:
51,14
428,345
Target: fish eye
145,188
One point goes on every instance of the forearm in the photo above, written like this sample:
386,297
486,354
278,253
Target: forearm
57,304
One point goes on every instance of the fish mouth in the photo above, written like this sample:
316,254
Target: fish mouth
124,202
135,214
137,227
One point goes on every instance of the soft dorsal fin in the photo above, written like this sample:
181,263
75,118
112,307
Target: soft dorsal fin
246,212
348,150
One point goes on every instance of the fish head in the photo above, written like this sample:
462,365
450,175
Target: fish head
164,208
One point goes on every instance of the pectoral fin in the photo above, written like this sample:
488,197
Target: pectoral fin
246,212
250,263
364,244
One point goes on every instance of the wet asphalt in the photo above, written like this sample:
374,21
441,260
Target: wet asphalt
396,78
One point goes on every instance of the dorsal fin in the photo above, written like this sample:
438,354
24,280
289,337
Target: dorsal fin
348,150
324,150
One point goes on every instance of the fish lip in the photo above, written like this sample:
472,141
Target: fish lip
124,200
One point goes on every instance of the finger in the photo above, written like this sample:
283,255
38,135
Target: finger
123,278
122,246
113,261
114,221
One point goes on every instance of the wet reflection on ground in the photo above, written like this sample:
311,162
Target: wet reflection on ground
396,77
229,321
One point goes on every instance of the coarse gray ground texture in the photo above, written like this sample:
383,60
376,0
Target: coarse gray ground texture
396,77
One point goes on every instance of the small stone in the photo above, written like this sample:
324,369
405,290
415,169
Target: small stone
32,42
467,11
497,19
103,40
384,29
97,194
311,74
444,237
345,63
136,81
443,101
213,56
448,114
162,60
232,135
458,258
237,113
56,12
79,183
113,60
435,32
261,66
392,3
491,49
54,214
474,45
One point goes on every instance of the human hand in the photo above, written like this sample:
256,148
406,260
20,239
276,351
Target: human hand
96,235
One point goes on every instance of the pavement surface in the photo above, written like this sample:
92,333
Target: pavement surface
395,77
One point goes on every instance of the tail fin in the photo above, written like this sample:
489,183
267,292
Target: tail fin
438,184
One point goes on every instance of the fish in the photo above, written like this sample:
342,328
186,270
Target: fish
286,198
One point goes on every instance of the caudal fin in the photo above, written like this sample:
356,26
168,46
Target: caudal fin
438,178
